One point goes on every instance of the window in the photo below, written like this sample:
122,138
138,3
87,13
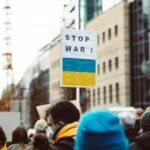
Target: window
58,84
104,94
110,65
117,92
103,37
88,101
94,97
89,93
52,65
98,39
117,62
104,67
110,93
99,95
55,63
116,30
98,69
109,34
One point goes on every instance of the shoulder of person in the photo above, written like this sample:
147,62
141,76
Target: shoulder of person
29,147
65,144
135,146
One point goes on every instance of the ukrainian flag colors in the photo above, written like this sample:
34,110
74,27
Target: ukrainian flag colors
78,58
78,72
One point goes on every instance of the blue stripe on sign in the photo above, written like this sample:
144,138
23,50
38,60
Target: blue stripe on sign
79,65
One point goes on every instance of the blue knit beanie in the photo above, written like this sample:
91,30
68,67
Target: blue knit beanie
100,130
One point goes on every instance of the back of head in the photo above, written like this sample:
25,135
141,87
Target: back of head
145,121
64,111
127,119
2,137
41,142
40,126
100,129
19,135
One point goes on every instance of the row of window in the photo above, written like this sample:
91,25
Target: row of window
110,64
101,93
109,34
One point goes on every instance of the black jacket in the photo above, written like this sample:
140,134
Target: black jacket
142,142
131,134
64,144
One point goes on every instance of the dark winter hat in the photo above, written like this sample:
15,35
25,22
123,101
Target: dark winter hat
100,130
145,121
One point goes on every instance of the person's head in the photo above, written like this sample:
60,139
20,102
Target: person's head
138,113
19,135
41,142
145,121
2,137
147,108
127,119
40,126
100,129
63,112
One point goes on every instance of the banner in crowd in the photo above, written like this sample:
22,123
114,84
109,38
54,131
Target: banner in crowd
78,58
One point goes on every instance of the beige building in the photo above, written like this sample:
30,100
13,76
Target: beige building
55,90
113,73
68,20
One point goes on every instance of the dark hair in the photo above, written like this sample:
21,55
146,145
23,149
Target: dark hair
64,111
19,135
41,142
145,121
2,137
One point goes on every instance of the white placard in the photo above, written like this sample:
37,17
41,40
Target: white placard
79,44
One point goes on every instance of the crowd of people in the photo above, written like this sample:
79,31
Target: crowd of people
63,128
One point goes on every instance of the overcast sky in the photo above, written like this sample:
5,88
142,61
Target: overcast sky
34,24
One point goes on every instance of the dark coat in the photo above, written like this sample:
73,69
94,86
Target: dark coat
131,134
142,142
64,144
64,137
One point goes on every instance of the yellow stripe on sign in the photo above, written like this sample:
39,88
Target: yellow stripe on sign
78,78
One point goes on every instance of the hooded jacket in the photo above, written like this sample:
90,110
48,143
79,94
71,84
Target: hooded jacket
4,147
142,142
63,138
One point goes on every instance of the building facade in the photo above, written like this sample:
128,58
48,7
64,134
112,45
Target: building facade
113,58
140,52
55,90
88,10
